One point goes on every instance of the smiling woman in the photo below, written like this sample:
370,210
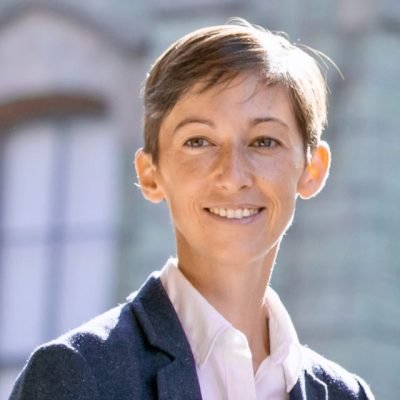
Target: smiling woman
231,199
233,123
225,167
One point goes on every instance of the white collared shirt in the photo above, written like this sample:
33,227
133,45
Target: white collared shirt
221,352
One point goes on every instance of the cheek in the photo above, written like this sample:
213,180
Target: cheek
181,192
283,174
280,181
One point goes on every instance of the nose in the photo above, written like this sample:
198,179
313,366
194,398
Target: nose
233,170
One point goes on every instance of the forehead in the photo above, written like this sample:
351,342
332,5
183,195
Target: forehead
234,101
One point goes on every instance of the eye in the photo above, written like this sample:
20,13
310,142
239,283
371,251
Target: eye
266,142
197,142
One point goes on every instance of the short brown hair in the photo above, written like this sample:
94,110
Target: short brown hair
217,54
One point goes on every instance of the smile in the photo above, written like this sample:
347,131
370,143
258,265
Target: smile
234,213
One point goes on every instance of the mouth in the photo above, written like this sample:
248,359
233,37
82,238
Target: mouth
234,213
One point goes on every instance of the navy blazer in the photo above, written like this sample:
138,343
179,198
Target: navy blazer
139,351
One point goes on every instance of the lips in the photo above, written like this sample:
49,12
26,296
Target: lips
234,213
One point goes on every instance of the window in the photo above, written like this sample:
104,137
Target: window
58,231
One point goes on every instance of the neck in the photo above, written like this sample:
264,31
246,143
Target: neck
237,292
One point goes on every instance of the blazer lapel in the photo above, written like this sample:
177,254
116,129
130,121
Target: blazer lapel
176,381
308,387
159,321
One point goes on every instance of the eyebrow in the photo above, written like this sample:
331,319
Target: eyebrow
254,122
194,120
261,120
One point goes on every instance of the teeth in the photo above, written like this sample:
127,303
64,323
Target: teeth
231,213
239,213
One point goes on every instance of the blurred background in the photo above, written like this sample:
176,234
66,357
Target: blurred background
76,237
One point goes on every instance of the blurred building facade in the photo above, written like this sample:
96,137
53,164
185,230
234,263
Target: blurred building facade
70,121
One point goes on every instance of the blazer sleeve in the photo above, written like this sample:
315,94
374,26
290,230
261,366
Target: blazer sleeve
56,372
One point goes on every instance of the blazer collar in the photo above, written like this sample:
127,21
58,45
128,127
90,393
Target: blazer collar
161,326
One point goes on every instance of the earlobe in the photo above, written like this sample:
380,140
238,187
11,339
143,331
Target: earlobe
146,172
316,172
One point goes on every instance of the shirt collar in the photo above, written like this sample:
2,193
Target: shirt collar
284,344
203,324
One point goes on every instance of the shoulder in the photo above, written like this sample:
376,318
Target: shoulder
117,331
53,369
64,365
97,357
339,383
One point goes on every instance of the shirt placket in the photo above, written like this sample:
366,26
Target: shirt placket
240,383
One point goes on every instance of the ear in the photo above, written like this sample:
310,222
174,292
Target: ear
146,173
316,172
